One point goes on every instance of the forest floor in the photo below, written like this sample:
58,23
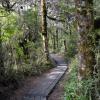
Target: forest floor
56,94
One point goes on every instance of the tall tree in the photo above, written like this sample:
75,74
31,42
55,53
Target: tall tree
85,25
1,57
57,37
44,27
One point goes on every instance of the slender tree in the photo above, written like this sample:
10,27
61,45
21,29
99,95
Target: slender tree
1,58
54,42
44,27
65,45
57,37
85,25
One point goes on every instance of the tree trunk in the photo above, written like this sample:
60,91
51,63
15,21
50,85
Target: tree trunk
1,59
57,37
65,46
85,27
44,27
54,43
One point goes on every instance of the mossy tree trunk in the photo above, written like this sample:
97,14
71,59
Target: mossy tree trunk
44,27
85,25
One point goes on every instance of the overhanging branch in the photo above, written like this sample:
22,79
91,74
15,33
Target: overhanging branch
55,19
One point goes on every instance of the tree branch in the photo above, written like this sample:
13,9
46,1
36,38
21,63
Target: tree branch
55,19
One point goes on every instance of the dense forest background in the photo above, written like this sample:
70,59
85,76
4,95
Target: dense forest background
28,35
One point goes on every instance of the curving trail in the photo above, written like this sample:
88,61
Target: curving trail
48,82
45,84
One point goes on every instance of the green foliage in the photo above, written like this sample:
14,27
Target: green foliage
71,46
71,85
77,90
31,16
14,30
9,26
31,19
67,6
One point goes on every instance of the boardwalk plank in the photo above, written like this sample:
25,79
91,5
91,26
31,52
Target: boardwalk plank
37,98
43,98
28,98
48,82
47,91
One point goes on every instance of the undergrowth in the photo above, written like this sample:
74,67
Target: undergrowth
78,90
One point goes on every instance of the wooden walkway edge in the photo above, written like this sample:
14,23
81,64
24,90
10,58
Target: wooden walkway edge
47,83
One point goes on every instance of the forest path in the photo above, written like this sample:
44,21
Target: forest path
48,82
45,84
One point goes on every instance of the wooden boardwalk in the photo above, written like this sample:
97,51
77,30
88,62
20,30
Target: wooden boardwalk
47,83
